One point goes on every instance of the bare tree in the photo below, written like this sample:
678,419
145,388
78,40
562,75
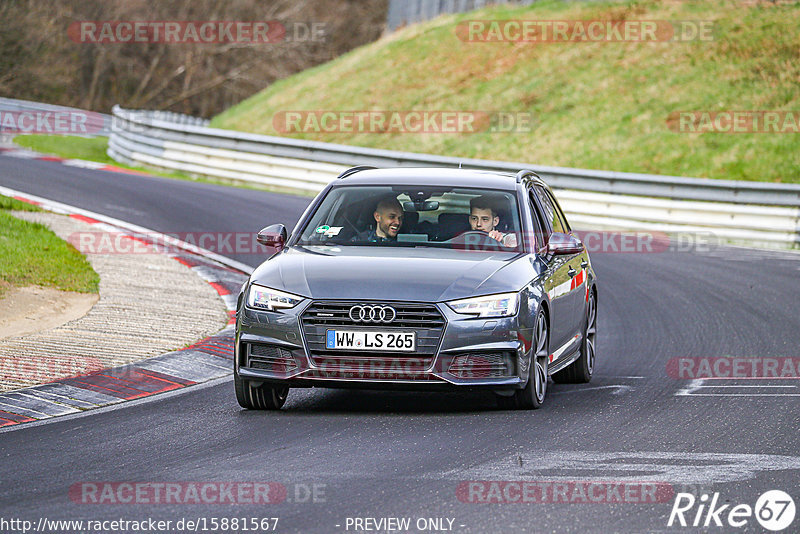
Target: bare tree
40,61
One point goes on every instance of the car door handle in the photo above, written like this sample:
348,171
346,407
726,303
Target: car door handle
584,264
572,272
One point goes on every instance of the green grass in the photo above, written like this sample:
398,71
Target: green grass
594,105
69,147
31,254
8,203
94,149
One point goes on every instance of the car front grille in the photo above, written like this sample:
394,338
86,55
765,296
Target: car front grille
424,319
482,365
270,358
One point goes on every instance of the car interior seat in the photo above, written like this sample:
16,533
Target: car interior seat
410,220
451,225
504,214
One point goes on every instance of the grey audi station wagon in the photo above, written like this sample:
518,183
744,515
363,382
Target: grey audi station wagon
423,279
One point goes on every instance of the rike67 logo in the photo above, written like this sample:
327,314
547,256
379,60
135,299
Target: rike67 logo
774,510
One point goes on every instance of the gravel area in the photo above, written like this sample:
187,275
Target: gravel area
149,304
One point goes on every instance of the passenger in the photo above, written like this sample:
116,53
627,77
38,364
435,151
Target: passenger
388,219
484,217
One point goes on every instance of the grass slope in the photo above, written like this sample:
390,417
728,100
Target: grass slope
31,254
595,105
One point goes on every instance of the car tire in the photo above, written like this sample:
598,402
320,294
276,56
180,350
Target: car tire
262,397
533,395
580,371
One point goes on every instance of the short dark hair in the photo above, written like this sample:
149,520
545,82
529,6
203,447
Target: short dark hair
387,202
484,202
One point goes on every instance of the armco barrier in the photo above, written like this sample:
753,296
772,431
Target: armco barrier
97,124
751,212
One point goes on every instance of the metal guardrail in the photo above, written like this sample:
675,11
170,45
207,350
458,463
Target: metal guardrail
97,124
404,12
752,212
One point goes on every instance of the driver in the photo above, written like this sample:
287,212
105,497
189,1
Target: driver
388,219
484,217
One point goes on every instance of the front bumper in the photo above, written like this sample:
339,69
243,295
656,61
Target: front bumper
470,353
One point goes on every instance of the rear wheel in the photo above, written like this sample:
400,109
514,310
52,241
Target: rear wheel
262,397
580,371
532,397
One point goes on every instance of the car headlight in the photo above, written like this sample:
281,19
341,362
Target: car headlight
502,305
271,299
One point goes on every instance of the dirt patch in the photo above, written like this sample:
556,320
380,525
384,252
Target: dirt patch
27,310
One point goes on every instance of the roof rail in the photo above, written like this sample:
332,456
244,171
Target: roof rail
526,173
353,170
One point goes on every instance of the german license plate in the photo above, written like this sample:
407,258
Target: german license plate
371,340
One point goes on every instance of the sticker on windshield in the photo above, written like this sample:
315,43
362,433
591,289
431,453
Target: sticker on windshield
329,231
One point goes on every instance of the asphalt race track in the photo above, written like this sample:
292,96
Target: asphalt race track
350,454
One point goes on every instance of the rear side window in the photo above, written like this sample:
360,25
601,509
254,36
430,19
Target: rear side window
540,232
559,212
551,213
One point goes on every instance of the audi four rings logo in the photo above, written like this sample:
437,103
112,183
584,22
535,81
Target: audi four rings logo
372,314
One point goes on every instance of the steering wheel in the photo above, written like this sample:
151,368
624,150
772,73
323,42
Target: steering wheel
473,233
474,238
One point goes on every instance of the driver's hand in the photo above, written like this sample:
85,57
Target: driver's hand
510,240
507,240
497,236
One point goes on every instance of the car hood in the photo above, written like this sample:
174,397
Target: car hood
388,273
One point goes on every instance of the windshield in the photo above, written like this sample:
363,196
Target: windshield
416,216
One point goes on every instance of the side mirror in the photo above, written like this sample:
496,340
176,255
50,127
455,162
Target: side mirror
273,236
564,244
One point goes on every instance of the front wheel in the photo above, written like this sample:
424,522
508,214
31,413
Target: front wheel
532,397
580,371
262,397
